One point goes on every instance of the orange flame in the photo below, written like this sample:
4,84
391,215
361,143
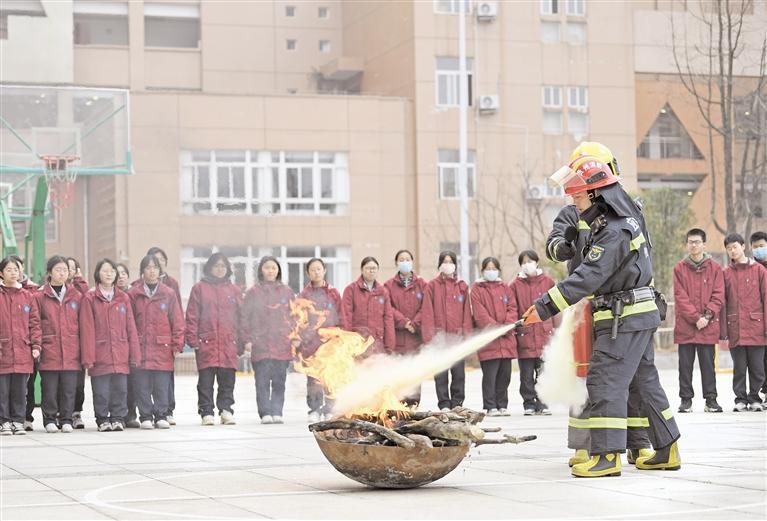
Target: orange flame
335,362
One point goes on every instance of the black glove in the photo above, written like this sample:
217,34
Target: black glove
565,248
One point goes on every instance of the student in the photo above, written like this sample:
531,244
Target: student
160,328
745,283
413,313
698,299
758,242
327,301
212,330
123,277
26,283
172,283
529,285
21,344
366,309
110,346
266,326
492,305
60,358
76,279
452,317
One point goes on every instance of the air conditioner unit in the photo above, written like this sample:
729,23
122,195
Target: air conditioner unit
487,11
536,192
489,104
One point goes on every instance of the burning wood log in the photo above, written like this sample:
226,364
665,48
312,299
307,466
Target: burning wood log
360,425
434,427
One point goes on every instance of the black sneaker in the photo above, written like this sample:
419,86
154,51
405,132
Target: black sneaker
686,405
712,405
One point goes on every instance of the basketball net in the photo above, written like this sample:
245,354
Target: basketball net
60,179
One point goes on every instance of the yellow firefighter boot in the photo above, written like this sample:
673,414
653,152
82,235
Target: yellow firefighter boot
633,454
580,456
599,466
666,458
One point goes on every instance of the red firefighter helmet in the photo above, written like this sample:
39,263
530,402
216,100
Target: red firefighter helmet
584,173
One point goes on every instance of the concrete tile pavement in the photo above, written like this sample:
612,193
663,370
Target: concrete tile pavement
276,471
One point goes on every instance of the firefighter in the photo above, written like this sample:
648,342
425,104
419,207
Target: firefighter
565,244
616,269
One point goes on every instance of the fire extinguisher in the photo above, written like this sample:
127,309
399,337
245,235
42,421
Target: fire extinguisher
583,340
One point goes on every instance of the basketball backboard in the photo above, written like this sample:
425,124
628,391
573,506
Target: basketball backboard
92,124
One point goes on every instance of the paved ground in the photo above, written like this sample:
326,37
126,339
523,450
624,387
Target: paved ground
276,471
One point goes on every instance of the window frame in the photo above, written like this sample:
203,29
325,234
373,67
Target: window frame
582,93
471,176
174,12
455,7
571,7
452,77
550,7
552,89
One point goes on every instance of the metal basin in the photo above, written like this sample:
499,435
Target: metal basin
391,467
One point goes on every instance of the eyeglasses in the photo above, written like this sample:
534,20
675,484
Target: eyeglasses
695,243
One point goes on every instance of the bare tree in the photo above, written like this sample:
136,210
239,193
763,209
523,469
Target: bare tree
732,106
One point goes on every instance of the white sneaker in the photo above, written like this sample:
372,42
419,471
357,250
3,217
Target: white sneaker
227,418
18,428
105,427
267,419
162,424
28,426
170,419
444,409
147,424
313,417
492,412
739,407
544,412
6,429
117,426
503,412
208,420
756,407
529,412
277,419
67,428
77,421
51,428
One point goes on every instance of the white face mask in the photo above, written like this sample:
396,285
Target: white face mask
491,275
530,268
447,269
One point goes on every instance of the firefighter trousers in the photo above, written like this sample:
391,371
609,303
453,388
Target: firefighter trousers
615,366
579,433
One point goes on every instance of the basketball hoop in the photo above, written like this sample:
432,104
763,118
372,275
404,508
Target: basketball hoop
60,179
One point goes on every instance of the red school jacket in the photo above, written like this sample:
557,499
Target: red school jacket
108,333
80,284
213,322
327,300
266,321
411,303
20,331
451,305
698,291
745,309
492,305
160,326
369,313
60,325
525,290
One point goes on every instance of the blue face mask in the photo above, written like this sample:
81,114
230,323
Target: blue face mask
760,253
405,267
491,275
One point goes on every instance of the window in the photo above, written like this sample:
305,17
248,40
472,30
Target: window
578,98
451,6
100,23
552,97
576,7
264,182
668,139
448,175
245,259
324,45
578,124
550,32
552,122
290,11
323,12
290,45
549,6
447,81
172,25
576,33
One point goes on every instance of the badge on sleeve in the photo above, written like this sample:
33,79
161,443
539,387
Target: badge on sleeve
381,300
73,305
595,253
163,306
26,308
419,295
